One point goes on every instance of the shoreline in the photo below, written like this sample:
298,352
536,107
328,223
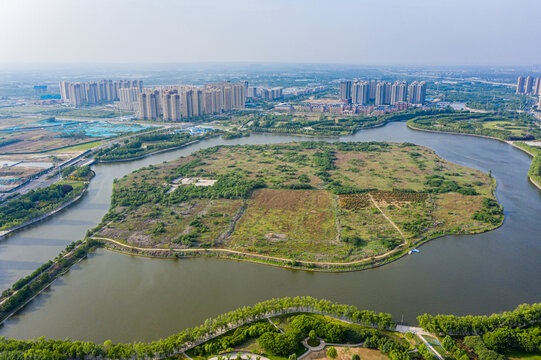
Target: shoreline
149,154
322,136
512,143
292,264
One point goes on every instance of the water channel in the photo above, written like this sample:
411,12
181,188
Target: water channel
126,298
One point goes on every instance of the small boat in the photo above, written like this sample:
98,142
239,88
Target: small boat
413,251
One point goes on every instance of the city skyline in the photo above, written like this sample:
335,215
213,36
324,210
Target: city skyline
422,32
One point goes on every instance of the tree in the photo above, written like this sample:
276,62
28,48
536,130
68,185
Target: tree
312,334
332,353
355,357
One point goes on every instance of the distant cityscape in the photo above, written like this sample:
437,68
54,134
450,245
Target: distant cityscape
177,102
361,92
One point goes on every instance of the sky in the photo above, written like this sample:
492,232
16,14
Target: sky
359,32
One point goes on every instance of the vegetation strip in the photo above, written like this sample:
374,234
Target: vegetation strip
41,203
302,317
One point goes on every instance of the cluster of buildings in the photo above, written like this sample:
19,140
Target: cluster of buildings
345,109
264,93
177,102
91,92
380,93
527,86
275,93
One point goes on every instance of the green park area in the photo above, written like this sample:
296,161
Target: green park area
327,124
288,328
312,202
505,126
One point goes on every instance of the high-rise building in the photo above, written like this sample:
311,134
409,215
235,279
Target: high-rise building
372,90
149,105
129,97
380,93
388,92
420,93
417,93
399,92
76,94
252,92
345,91
171,105
64,91
537,86
528,87
359,92
520,85
86,93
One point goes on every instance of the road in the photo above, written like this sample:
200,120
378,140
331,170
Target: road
85,158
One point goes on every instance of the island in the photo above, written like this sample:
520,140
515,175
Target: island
314,205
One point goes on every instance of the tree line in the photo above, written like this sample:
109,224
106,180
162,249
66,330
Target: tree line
67,349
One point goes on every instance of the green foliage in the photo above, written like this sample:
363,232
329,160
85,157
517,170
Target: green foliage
331,126
281,343
36,203
332,353
479,124
479,348
522,316
156,141
507,339
425,352
278,343
491,213
234,338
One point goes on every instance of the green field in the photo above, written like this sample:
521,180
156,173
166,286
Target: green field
315,202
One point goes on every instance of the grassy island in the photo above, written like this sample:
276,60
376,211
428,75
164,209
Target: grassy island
310,204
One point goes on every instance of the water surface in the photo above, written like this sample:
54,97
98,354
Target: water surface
126,298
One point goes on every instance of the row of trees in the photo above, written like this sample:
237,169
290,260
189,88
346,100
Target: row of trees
146,144
67,349
524,315
36,203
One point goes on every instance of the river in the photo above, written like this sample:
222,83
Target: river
127,298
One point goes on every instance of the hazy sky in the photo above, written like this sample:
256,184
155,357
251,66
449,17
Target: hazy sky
368,32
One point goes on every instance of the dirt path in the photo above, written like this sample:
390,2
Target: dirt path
246,254
386,217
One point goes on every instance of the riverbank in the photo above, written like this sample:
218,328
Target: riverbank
148,154
512,143
5,233
373,262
